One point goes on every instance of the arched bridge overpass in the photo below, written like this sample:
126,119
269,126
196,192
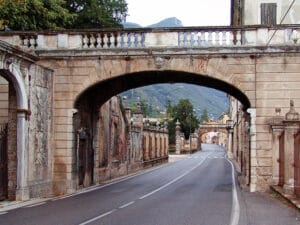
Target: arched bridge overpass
78,71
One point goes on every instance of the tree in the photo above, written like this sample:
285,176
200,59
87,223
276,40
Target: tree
35,14
184,112
204,116
98,13
61,14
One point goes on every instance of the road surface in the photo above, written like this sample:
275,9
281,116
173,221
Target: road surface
194,191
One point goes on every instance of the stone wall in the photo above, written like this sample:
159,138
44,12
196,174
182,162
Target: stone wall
238,141
40,143
184,146
117,143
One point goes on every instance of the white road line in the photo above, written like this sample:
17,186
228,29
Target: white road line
34,205
172,181
2,213
235,210
98,217
125,205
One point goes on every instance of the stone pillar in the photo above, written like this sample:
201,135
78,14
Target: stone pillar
178,138
230,144
277,130
253,159
291,123
289,131
22,192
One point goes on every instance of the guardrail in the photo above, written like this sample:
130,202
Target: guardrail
191,37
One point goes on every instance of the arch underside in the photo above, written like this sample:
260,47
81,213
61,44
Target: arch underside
104,90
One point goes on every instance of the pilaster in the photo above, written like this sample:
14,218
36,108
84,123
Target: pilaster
277,131
253,158
291,123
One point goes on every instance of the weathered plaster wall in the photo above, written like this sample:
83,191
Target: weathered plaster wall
252,11
40,143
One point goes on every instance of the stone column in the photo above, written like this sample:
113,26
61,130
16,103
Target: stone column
290,130
291,123
276,132
178,138
253,159
22,192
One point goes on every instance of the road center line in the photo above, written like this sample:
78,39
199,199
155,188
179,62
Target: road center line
144,196
172,181
98,217
125,205
235,210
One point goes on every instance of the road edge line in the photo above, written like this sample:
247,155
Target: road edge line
235,210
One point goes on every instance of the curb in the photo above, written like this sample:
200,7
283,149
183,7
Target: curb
291,198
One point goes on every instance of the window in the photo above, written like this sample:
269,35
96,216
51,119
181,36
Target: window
268,13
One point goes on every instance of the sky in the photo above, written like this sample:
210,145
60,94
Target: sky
190,12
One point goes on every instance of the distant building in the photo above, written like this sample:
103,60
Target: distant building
265,12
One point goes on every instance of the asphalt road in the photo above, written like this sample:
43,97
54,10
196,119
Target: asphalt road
194,191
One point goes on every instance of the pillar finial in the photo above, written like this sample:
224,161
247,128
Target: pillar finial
292,114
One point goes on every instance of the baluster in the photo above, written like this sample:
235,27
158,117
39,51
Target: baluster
203,39
192,39
198,39
135,40
110,42
30,42
98,40
143,38
188,39
217,38
210,38
105,40
122,40
116,40
224,38
239,37
92,41
232,38
33,42
84,41
180,39
25,42
125,40
128,40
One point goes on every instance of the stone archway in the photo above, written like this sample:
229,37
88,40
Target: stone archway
18,111
90,81
89,101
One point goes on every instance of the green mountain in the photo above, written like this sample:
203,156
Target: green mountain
156,97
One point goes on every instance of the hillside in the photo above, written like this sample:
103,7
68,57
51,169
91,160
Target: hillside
214,101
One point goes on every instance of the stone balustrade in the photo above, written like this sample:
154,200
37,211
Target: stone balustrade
191,37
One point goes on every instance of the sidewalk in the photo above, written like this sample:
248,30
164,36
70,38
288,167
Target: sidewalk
266,209
9,205
292,199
